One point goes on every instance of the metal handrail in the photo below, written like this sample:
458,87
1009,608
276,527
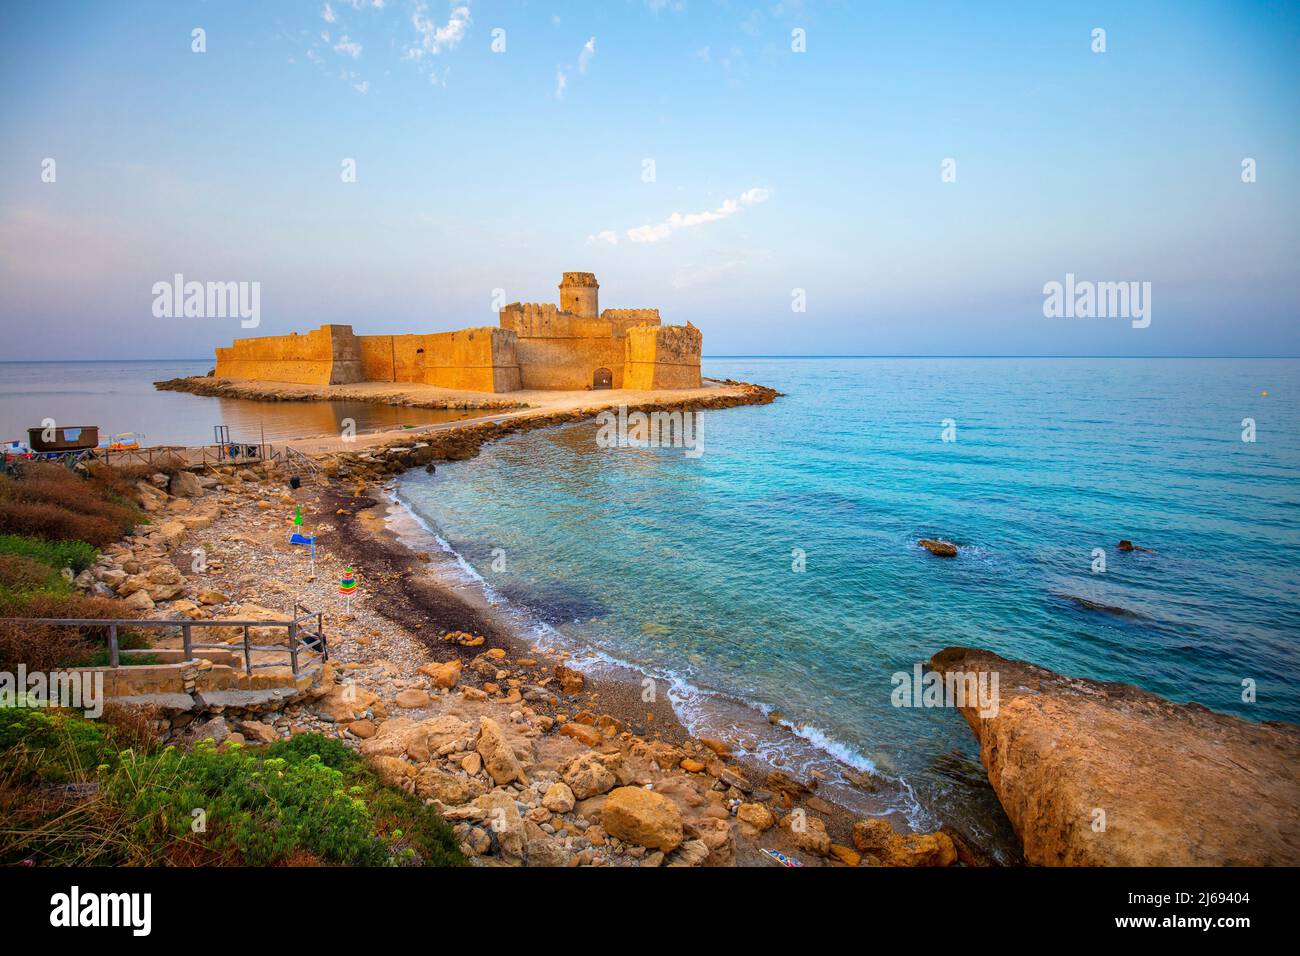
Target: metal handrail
187,637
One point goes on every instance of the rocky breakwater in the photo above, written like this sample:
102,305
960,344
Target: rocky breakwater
1101,774
464,441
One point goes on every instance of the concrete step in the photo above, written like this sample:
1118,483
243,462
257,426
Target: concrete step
171,703
267,699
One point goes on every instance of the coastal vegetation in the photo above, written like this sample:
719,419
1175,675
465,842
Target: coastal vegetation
53,522
105,793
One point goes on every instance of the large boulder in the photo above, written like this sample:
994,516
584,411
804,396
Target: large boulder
1099,774
498,756
807,832
877,837
447,788
501,814
185,484
643,817
591,774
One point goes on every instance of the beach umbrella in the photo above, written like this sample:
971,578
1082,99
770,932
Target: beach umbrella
347,584
308,539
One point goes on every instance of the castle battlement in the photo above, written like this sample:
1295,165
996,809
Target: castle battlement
538,345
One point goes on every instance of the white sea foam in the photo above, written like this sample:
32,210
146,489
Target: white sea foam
702,712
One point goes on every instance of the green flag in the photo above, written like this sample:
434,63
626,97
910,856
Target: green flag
297,514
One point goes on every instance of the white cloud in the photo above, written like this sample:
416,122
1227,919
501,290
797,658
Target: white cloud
588,51
362,87
605,235
561,81
659,231
328,14
433,39
348,47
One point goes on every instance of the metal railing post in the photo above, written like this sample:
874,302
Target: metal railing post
112,645
187,641
248,654
293,647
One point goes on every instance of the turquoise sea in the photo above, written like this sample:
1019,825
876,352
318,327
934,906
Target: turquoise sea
684,567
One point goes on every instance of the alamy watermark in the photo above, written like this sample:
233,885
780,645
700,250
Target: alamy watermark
208,300
1084,299
72,690
676,429
977,689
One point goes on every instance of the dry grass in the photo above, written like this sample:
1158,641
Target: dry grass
49,502
26,574
42,647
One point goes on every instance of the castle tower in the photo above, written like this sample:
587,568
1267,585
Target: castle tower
578,294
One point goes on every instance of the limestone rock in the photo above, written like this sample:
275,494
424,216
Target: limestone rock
559,798
590,774
257,731
139,601
498,757
571,681
692,853
582,732
392,771
365,729
442,675
447,788
645,818
716,835
412,699
184,484
877,837
756,815
807,832
1180,785
503,819
940,549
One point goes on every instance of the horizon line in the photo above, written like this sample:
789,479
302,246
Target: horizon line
856,355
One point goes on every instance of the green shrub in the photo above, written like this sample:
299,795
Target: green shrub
309,796
77,555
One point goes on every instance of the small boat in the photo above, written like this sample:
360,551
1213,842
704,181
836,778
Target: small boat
123,441
63,439
16,449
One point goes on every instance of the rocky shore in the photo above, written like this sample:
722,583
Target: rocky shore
533,762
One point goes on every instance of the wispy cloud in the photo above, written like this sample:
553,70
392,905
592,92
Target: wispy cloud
585,56
328,14
348,47
659,231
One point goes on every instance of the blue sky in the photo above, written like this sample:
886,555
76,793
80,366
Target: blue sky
819,170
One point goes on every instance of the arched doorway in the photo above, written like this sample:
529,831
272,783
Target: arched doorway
603,378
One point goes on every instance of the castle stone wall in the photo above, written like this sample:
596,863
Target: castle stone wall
480,360
539,346
329,355
665,356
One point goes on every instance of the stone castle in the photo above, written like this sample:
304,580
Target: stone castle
536,346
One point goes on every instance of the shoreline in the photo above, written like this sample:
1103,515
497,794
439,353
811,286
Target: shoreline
602,710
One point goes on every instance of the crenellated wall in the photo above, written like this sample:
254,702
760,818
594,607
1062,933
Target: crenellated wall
666,356
560,350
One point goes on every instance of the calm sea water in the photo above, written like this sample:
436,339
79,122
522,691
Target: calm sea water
683,566
120,397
